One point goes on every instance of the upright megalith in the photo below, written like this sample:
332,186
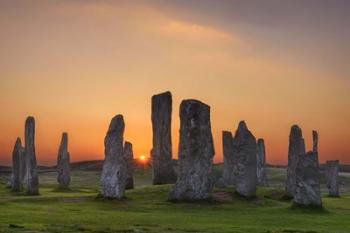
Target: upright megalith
161,153
114,171
307,190
332,178
314,141
196,152
16,182
261,163
296,148
23,167
245,149
63,163
129,156
228,177
32,179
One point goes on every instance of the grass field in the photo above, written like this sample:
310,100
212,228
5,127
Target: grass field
146,209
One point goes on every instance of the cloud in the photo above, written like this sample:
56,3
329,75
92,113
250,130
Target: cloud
194,31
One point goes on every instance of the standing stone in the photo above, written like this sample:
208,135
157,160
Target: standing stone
229,164
196,152
307,192
129,156
23,167
332,178
261,163
161,153
315,141
31,168
296,148
16,183
63,163
245,150
114,171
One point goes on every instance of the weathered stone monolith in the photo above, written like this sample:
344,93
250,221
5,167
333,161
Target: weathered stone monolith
314,141
332,178
196,151
245,149
114,171
161,153
261,163
296,148
229,164
63,163
129,156
31,167
16,183
307,191
23,167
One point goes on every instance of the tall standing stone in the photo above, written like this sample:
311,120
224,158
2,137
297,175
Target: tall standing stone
296,148
23,167
129,156
229,164
63,163
16,184
31,167
245,149
314,141
196,152
307,191
161,153
114,171
261,163
332,178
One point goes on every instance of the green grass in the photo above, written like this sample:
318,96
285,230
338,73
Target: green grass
146,210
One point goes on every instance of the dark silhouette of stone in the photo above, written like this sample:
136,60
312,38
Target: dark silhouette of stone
332,178
129,156
114,171
245,150
63,163
296,148
196,151
229,164
23,167
261,163
315,141
307,191
32,179
161,153
16,181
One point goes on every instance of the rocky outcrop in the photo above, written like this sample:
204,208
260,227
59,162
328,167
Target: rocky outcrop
161,153
228,177
16,181
332,178
32,179
307,191
296,148
114,171
261,163
196,152
63,163
129,157
245,150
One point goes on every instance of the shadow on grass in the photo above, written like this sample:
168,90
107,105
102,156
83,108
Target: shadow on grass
312,209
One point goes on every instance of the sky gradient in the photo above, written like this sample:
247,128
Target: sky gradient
73,65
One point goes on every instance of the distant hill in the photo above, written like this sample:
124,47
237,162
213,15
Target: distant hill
96,165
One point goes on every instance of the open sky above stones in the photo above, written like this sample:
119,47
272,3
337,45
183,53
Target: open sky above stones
75,64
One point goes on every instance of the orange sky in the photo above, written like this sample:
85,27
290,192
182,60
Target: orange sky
74,65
